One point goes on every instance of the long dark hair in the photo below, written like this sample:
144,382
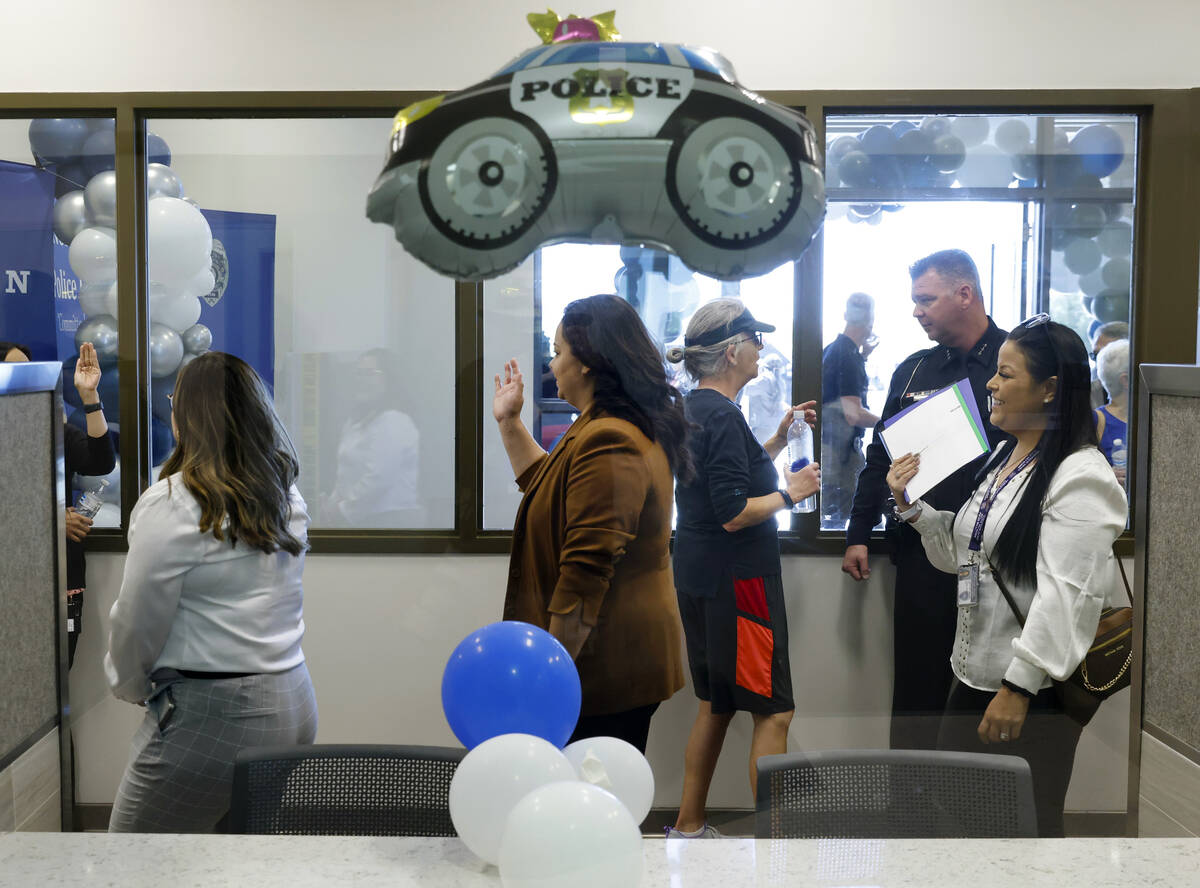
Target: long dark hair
607,336
1050,349
235,456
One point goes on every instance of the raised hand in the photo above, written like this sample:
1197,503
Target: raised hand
87,371
509,396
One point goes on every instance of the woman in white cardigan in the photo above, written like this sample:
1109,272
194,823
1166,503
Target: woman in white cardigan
1044,517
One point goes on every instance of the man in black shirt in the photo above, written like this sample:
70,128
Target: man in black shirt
948,304
844,413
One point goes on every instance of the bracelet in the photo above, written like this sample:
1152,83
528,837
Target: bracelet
1016,689
92,408
913,509
787,500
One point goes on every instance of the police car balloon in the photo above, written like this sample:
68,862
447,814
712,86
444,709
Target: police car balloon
653,144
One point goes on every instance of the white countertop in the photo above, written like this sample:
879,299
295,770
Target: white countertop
40,860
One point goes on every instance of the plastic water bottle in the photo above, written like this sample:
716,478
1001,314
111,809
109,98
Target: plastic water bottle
800,454
1119,454
89,504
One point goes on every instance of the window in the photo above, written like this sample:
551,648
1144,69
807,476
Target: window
1043,203
666,293
258,245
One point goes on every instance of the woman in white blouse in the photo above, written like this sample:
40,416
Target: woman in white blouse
1044,516
206,629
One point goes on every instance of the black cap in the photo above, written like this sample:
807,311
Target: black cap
743,323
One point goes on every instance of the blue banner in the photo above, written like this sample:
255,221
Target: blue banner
27,302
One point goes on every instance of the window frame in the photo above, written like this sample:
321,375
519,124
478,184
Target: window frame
1166,258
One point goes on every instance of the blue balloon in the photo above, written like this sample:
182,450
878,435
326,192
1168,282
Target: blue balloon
109,392
162,442
160,404
511,678
900,127
57,139
69,177
157,150
1099,149
99,152
878,139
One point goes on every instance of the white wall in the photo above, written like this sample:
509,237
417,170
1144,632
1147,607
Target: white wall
380,629
71,45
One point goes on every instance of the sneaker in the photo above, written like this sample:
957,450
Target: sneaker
705,832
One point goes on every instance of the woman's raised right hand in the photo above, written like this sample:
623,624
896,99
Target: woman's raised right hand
509,396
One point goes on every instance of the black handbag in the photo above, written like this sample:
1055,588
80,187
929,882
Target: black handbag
1105,667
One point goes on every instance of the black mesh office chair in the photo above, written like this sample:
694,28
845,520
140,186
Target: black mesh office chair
867,793
344,790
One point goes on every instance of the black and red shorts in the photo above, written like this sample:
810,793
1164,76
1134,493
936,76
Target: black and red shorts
737,644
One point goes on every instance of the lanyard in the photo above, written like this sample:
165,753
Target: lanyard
989,498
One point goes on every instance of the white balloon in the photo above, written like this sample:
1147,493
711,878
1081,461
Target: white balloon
571,834
201,284
492,778
178,313
93,255
179,241
613,764
1013,136
110,299
972,130
93,299
985,167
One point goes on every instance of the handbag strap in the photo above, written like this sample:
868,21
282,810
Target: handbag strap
1012,604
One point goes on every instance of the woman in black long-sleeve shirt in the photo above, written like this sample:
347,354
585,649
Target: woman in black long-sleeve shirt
88,453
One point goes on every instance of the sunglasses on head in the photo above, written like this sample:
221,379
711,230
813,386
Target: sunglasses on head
1036,320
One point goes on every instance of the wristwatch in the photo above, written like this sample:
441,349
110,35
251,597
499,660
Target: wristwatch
92,408
787,500
912,511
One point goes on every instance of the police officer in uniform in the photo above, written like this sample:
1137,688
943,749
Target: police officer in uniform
948,304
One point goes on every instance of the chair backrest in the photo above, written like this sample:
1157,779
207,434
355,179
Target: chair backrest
343,790
867,793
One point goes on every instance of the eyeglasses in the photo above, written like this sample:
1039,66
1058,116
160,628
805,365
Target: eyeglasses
756,338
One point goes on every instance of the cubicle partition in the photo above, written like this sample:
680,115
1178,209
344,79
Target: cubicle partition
35,789
1165,736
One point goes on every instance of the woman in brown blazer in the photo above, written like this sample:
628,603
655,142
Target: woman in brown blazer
590,560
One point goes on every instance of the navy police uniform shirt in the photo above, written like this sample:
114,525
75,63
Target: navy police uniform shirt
918,376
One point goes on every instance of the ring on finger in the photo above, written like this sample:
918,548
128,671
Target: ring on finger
1003,736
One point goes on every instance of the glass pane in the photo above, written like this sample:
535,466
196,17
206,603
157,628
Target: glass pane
59,261
1042,203
522,311
259,246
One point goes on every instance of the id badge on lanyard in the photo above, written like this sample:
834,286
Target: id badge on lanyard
968,583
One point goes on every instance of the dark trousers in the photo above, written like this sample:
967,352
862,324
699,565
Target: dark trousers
1048,740
924,619
630,725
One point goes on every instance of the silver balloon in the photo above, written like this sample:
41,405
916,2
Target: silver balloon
166,350
161,181
101,332
70,216
100,197
187,359
197,339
